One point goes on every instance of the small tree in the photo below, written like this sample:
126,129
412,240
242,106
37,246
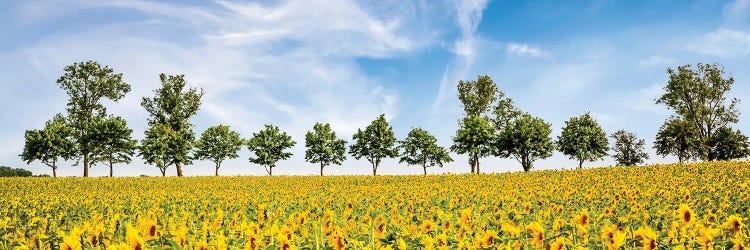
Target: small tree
583,139
420,148
699,96
526,139
269,147
217,144
86,84
677,137
323,147
50,144
156,147
114,142
172,106
629,150
474,137
374,143
728,144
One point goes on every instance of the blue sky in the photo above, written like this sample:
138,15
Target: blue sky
294,63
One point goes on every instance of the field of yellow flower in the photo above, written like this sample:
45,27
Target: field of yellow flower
700,205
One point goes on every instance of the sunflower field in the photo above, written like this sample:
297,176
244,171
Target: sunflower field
678,206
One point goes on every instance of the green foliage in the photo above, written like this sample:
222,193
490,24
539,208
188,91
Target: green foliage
374,143
477,96
114,141
156,148
474,137
728,144
172,106
323,147
217,144
269,146
14,172
50,144
420,148
677,137
527,139
86,84
629,150
505,112
583,139
698,95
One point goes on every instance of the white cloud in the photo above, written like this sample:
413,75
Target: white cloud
726,43
736,11
522,49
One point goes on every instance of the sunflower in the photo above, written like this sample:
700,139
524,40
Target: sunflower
427,225
647,236
148,228
71,242
685,215
738,244
558,244
613,237
537,232
734,223
401,244
380,231
489,238
706,237
583,218
134,241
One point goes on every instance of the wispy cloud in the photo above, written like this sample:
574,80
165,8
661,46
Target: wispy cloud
523,49
723,42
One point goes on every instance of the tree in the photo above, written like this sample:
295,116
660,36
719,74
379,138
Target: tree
477,96
677,137
698,95
14,172
420,148
526,139
374,143
474,137
323,147
629,150
156,147
172,106
115,143
217,144
48,145
728,144
86,84
583,139
269,147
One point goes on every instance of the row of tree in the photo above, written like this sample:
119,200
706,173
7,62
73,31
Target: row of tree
492,126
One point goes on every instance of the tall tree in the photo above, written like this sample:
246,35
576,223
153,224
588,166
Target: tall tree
156,147
374,143
699,95
48,145
677,137
420,148
115,143
323,147
86,84
474,137
477,96
527,139
728,144
629,150
269,146
217,144
172,106
583,139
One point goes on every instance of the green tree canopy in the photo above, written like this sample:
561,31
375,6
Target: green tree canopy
677,137
269,146
583,139
172,106
323,147
728,144
86,84
374,143
699,95
629,150
14,172
527,139
474,137
156,148
48,145
420,148
217,144
115,143
477,96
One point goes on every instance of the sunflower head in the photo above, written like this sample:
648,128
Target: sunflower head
647,237
685,215
558,244
734,223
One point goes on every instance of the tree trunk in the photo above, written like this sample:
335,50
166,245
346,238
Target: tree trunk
321,169
110,168
179,169
85,165
477,159
473,164
54,169
679,157
218,165
374,169
425,169
580,163
163,172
